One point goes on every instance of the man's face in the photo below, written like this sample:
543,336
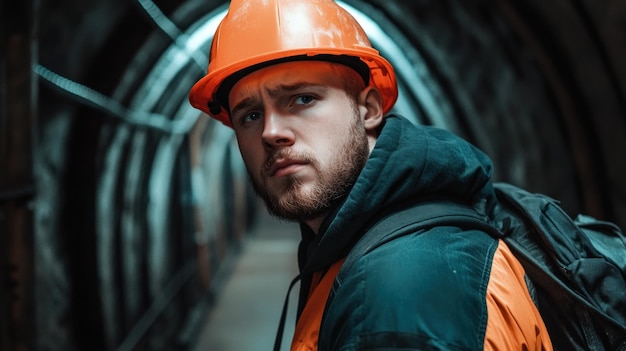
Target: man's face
301,136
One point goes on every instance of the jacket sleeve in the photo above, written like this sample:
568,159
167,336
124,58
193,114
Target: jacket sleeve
435,290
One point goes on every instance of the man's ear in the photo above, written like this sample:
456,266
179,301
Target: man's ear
370,105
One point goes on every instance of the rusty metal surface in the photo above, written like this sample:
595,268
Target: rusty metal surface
17,191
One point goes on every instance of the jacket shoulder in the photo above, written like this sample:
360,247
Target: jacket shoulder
427,285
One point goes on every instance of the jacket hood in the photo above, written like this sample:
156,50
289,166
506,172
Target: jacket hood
409,162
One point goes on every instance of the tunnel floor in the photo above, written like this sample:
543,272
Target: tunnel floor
247,309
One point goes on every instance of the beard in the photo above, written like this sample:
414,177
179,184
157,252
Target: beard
293,203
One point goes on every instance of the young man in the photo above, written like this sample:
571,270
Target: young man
307,96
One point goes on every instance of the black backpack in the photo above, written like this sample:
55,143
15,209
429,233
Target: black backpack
576,268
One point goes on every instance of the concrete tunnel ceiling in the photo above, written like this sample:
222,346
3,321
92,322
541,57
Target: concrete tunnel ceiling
140,196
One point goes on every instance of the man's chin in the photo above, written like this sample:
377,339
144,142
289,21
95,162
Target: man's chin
290,186
293,206
294,215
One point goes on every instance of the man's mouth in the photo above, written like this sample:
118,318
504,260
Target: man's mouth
283,167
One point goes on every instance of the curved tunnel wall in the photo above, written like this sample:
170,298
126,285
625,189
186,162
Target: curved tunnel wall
140,200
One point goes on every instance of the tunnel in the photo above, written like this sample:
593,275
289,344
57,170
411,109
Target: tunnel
121,205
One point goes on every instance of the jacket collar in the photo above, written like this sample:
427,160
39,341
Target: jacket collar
409,162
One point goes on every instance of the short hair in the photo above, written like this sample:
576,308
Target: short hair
353,83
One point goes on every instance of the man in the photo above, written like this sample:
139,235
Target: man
307,96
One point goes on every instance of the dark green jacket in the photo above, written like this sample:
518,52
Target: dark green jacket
419,292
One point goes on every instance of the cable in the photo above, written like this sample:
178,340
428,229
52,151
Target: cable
171,30
89,96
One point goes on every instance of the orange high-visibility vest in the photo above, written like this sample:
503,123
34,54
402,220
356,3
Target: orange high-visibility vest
308,326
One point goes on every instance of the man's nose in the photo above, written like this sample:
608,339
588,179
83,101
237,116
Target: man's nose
277,130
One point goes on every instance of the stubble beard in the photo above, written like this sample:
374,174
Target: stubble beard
295,203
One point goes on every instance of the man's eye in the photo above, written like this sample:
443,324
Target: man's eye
304,99
250,117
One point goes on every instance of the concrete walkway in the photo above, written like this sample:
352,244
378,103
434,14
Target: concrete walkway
247,310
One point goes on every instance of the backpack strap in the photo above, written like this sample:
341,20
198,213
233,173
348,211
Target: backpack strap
283,316
411,217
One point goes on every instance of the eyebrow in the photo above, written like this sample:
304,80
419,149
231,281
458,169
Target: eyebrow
277,91
243,104
274,92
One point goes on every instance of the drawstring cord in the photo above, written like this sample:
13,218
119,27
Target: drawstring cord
283,316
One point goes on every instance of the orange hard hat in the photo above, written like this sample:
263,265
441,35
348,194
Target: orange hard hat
258,33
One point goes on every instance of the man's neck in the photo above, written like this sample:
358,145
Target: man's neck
315,223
